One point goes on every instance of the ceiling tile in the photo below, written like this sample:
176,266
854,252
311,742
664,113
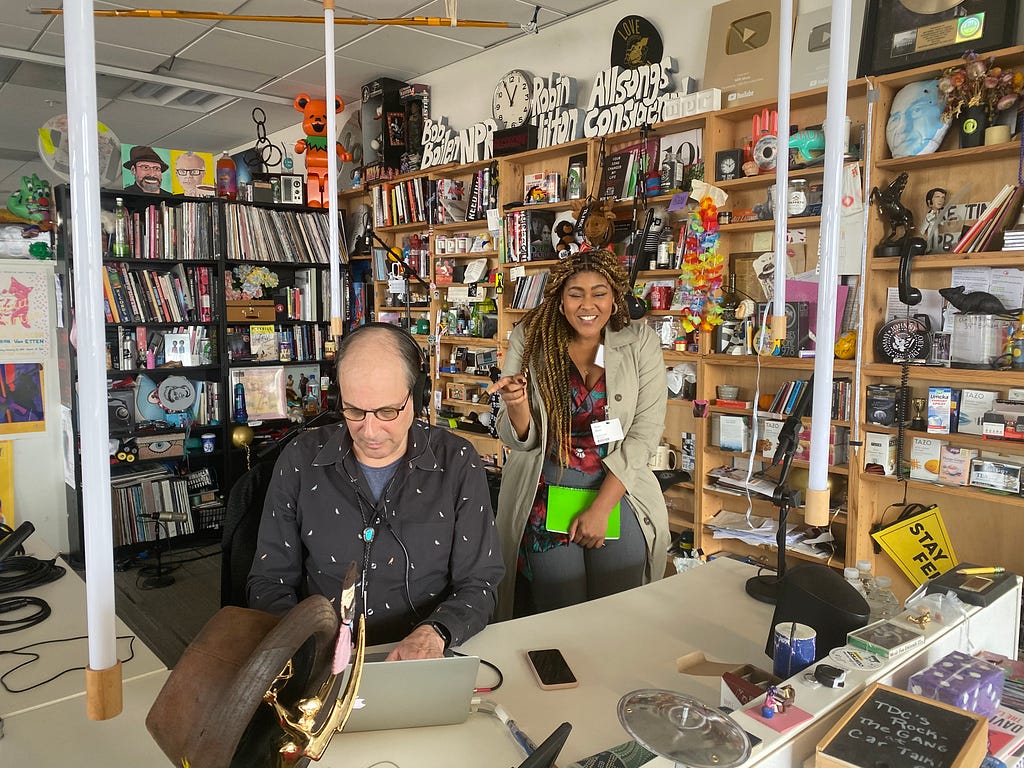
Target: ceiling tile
221,46
165,36
307,35
231,126
487,10
25,110
350,76
406,49
16,36
112,55
23,18
569,6
379,9
200,72
52,78
138,124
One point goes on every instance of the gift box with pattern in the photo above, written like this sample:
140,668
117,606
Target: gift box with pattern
963,681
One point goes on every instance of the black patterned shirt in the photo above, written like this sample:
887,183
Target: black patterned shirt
427,550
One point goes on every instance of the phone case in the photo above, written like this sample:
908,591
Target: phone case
551,686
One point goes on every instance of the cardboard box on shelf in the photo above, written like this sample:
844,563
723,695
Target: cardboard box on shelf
880,451
925,457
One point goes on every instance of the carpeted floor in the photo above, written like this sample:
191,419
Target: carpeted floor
167,618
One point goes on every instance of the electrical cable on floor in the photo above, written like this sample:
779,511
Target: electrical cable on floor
34,657
16,603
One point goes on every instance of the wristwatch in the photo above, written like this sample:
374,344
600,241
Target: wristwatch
442,631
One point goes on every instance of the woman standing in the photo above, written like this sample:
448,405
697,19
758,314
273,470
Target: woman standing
583,406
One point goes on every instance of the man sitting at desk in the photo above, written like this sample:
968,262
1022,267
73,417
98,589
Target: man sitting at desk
408,503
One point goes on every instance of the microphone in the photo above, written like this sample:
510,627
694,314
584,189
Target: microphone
789,435
367,233
166,517
14,539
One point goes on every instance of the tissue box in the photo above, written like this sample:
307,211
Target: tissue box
962,681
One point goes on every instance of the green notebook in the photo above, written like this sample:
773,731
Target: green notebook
564,504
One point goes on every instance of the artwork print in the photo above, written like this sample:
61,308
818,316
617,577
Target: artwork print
146,169
24,312
21,398
192,173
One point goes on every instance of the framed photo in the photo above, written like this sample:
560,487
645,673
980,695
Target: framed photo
901,34
265,396
178,348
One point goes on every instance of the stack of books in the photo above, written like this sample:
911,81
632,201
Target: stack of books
1013,240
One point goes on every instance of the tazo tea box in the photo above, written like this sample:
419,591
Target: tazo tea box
955,464
879,453
996,474
974,403
925,456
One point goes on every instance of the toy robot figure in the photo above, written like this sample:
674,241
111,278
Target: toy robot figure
314,146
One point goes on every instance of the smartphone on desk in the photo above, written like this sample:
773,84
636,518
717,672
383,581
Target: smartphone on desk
551,669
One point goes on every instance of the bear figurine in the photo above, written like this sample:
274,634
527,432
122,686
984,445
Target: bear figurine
314,146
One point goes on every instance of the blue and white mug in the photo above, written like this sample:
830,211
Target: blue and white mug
793,648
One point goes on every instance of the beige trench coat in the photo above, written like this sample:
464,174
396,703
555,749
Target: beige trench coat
637,388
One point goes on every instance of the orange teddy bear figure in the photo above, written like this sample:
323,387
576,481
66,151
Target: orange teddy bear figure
314,146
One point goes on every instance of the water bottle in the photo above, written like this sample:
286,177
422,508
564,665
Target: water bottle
882,601
120,247
241,415
852,576
864,568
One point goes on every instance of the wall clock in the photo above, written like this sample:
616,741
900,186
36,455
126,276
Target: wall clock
510,104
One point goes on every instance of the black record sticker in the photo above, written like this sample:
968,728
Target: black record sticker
635,43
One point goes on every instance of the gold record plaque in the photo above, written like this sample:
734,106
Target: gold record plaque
899,34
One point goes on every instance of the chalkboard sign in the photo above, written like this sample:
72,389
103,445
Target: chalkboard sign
890,728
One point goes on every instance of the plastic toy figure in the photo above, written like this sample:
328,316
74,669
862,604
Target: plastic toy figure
314,146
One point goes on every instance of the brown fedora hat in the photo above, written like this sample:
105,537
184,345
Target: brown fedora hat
141,153
210,711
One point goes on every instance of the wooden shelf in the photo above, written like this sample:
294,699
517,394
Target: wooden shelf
456,226
956,438
568,149
541,264
468,378
950,157
796,363
479,407
395,229
835,469
680,356
1010,259
962,491
769,415
557,205
767,179
467,341
932,374
457,256
794,222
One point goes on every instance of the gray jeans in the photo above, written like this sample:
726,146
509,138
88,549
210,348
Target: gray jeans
573,574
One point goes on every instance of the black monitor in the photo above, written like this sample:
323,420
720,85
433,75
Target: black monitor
544,756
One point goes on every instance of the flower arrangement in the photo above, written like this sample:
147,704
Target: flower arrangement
979,82
248,282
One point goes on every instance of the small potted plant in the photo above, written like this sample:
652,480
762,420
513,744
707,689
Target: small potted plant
976,93
244,290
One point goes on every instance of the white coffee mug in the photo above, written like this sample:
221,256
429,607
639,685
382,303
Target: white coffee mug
664,458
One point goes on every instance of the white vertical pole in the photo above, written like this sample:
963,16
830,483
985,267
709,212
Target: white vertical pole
103,677
782,169
332,170
817,512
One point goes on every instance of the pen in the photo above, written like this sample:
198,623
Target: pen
978,571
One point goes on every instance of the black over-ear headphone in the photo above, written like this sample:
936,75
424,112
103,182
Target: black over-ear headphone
412,353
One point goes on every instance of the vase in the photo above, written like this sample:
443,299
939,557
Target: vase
972,123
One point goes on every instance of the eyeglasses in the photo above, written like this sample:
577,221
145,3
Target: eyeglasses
190,171
387,413
148,167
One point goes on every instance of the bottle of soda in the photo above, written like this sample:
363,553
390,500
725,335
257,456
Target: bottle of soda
227,178
120,247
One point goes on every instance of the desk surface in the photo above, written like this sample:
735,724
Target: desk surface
615,645
66,597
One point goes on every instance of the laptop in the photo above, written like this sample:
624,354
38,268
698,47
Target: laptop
414,693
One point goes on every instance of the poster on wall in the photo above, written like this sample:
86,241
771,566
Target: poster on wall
192,173
743,52
24,312
145,169
21,398
7,483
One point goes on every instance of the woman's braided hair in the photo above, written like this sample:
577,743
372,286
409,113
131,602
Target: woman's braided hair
548,333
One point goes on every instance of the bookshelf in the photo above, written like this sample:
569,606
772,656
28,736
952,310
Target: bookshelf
177,345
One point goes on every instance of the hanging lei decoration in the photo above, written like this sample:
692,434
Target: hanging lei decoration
702,262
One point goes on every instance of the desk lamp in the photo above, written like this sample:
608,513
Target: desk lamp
683,729
762,587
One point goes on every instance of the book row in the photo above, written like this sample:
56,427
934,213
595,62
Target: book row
140,295
140,499
173,232
269,343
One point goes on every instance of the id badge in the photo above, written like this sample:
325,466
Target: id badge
606,431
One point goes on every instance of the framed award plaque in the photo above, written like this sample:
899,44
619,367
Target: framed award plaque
901,34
